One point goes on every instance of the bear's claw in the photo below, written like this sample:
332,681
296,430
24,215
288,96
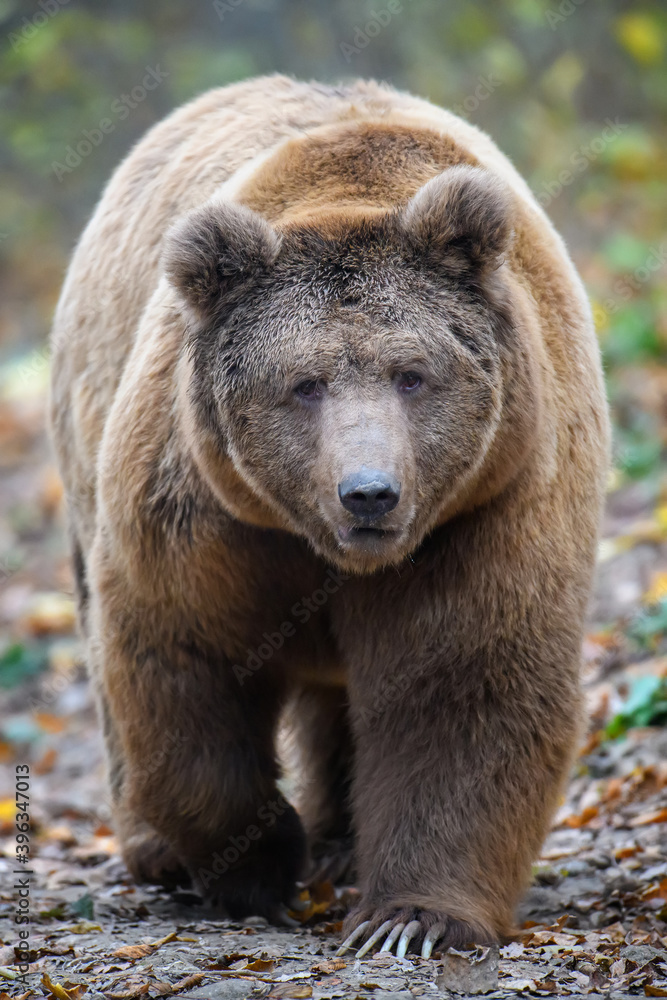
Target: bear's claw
397,930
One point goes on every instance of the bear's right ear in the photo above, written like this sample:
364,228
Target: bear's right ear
215,250
460,219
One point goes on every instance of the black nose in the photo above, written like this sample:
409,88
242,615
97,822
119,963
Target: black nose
369,493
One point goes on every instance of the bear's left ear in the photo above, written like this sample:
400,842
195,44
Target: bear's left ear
459,219
217,250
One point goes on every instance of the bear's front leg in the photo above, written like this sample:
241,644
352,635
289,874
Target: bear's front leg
198,769
459,766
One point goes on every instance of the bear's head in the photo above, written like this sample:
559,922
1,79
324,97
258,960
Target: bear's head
354,370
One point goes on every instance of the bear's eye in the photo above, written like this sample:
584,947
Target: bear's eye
311,388
408,381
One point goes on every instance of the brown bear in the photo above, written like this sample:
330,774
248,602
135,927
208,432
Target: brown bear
328,406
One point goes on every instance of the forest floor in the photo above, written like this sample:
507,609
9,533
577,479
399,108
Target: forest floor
594,921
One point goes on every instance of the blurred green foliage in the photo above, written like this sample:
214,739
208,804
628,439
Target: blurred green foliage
646,705
548,79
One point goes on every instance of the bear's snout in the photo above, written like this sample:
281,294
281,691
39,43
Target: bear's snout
368,494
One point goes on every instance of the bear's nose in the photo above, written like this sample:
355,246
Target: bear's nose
369,493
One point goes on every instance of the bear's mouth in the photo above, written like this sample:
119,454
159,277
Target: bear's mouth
362,532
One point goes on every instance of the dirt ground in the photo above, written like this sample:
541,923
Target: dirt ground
594,921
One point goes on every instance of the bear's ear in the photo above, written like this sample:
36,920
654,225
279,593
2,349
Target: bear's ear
215,250
459,219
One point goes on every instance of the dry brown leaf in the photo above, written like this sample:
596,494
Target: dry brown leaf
185,984
165,940
628,852
50,614
131,952
45,763
162,989
332,965
58,990
75,990
291,990
615,932
132,988
654,991
644,819
260,965
576,821
62,834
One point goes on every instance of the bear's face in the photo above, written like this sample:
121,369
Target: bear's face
351,366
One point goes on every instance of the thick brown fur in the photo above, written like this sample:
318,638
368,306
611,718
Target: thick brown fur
274,233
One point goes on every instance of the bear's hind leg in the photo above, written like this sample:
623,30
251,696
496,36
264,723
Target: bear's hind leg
319,720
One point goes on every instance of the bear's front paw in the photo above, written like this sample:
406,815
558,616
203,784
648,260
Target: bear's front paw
407,927
255,875
149,858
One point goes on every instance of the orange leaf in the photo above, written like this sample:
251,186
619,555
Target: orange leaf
50,723
185,984
584,817
45,763
260,965
332,965
652,817
627,852
131,952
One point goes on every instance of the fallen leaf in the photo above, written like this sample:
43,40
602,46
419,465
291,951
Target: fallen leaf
131,952
50,723
133,987
165,940
512,950
332,965
546,985
75,990
45,763
292,990
654,991
644,819
50,614
185,984
260,965
58,990
576,821
7,815
62,834
470,972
